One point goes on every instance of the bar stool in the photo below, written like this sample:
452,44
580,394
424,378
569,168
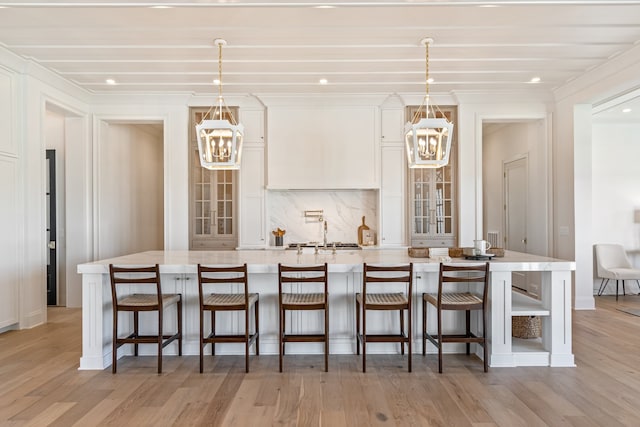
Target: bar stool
290,278
149,277
241,300
400,301
451,276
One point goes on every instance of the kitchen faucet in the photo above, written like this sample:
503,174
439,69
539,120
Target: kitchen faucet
325,234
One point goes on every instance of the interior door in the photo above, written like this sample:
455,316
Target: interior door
52,271
515,211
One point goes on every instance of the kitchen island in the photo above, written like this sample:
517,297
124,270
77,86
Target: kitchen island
179,274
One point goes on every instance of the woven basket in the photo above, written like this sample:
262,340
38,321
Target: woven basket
526,327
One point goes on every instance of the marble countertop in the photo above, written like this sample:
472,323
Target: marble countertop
343,261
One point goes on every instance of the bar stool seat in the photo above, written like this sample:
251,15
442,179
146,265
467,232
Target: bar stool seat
229,299
147,300
302,299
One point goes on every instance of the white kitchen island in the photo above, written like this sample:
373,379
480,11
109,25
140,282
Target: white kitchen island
179,274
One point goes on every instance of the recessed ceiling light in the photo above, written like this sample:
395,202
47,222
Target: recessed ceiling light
110,81
535,80
626,110
323,81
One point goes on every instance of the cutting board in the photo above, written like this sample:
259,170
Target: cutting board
361,230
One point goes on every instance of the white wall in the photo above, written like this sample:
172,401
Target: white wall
131,190
615,184
573,162
506,142
10,204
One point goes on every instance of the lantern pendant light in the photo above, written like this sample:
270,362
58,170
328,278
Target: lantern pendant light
219,135
428,139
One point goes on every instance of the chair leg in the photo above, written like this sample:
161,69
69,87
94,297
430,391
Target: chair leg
424,326
114,355
257,324
484,340
159,341
364,338
439,340
201,340
358,327
180,326
401,330
280,336
409,336
603,285
246,340
326,338
468,327
213,331
624,291
617,289
135,332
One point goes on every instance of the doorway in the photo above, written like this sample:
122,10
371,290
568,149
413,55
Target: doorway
516,182
515,174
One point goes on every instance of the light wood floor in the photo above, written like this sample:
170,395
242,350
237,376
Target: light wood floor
40,385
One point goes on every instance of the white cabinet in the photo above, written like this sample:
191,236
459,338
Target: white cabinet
392,200
252,206
392,125
253,122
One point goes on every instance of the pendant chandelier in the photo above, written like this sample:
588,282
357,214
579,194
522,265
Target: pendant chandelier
428,138
219,135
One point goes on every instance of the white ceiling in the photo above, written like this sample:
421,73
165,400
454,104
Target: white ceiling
285,47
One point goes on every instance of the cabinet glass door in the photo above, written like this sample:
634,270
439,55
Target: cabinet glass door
212,200
432,198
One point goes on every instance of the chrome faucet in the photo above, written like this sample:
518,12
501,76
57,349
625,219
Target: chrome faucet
325,234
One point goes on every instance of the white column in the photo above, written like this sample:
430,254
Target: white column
97,315
557,330
500,351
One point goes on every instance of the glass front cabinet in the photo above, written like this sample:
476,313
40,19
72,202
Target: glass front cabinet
212,198
432,198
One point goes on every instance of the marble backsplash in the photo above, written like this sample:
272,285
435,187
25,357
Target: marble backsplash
343,211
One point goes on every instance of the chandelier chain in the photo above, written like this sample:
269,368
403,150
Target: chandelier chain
426,46
220,71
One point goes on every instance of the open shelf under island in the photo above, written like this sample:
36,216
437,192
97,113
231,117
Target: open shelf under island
178,270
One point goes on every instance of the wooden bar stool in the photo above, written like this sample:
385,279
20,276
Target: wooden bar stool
241,300
291,277
400,301
149,277
466,300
